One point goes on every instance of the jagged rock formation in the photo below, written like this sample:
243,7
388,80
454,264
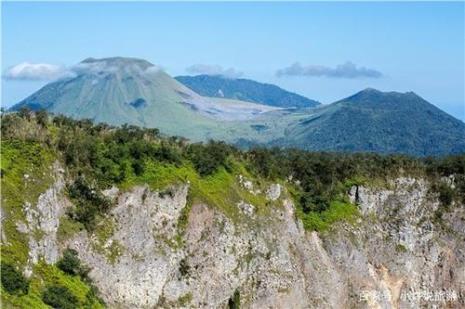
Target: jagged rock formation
154,249
42,223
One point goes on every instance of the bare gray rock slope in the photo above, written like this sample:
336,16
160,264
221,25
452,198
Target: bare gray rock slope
154,256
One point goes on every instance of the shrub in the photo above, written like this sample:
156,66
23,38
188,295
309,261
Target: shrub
70,263
59,297
13,281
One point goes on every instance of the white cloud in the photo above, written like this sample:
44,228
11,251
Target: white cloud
36,71
346,70
50,72
208,69
152,70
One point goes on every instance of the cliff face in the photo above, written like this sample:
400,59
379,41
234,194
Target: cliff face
159,249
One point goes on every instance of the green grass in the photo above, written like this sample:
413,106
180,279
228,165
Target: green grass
45,275
220,190
336,212
20,158
68,228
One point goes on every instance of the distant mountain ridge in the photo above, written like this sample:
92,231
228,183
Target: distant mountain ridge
383,122
134,91
245,90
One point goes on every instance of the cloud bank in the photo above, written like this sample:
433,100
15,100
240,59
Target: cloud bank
36,71
214,70
346,70
49,72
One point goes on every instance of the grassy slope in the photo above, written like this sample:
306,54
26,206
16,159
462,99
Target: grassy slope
20,159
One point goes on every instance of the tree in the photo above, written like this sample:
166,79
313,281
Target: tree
208,158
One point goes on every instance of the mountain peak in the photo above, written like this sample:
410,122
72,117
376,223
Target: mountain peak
374,96
370,90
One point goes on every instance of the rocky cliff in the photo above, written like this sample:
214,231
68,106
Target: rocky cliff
159,249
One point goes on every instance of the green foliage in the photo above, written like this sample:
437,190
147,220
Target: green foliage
322,221
129,155
60,297
79,286
13,281
71,264
90,203
313,202
26,168
209,157
379,122
266,162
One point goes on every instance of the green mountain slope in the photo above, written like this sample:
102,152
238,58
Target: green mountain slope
125,90
133,91
384,122
245,90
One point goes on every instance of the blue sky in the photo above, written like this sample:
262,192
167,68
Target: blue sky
413,46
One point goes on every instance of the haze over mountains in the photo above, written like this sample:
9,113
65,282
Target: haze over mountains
126,90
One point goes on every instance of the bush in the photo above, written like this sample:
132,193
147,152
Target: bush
70,263
13,281
59,297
